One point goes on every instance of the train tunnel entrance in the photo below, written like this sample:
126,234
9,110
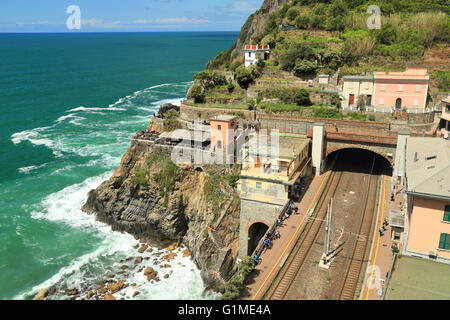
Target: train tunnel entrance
255,233
358,160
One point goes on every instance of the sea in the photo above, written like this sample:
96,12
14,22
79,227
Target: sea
69,104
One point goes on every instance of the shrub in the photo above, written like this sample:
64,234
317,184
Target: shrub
327,113
230,87
296,51
305,67
171,120
261,64
317,21
244,77
302,97
335,101
302,22
443,79
292,13
337,8
197,92
234,286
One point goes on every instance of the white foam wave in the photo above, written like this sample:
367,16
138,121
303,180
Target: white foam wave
81,108
27,170
64,207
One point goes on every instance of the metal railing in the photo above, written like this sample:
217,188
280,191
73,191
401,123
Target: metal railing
260,247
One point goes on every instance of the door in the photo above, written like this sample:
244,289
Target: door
351,100
398,104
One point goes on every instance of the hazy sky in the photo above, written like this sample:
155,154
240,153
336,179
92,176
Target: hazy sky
126,15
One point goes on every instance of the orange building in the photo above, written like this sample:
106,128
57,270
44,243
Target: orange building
223,132
428,198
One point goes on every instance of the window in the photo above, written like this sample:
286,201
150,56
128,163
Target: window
417,87
381,101
249,54
383,87
259,185
219,127
416,102
444,241
219,144
447,213
400,87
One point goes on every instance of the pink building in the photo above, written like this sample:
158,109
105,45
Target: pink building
428,198
407,89
445,119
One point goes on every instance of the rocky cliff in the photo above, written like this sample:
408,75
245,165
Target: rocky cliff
134,201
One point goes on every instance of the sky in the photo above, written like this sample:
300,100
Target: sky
124,15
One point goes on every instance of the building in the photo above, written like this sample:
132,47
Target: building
223,133
398,90
255,52
324,78
444,124
428,198
267,179
353,89
388,91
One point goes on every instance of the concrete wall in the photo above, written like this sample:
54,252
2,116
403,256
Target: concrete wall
189,113
251,212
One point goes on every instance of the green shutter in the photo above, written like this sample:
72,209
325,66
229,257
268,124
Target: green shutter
444,241
447,213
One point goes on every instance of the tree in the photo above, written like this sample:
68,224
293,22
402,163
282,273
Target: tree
302,97
361,103
337,8
292,13
197,92
302,22
244,77
318,21
296,51
305,67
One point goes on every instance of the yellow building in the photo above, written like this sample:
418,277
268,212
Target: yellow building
270,171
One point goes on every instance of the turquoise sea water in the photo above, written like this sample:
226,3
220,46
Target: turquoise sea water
69,104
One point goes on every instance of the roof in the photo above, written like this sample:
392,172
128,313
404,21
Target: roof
257,47
396,219
288,147
428,167
446,100
223,117
359,77
418,279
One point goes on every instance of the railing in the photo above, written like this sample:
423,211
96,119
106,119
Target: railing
260,247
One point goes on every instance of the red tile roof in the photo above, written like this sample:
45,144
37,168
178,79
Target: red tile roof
257,47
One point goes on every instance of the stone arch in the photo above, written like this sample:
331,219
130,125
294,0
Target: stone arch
256,231
373,149
256,221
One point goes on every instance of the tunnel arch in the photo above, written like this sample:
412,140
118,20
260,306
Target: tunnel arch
361,147
384,162
255,230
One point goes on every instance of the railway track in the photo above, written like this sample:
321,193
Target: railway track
348,285
290,272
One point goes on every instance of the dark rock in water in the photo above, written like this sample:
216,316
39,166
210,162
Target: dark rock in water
52,291
138,260
141,210
71,292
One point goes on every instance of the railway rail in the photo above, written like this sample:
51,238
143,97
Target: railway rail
347,285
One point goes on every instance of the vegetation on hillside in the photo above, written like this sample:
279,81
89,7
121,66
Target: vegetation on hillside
326,35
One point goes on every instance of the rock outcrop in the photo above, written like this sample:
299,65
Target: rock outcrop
160,221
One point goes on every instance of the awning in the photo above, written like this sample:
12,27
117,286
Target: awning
396,219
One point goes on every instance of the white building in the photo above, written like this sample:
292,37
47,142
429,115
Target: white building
255,52
354,86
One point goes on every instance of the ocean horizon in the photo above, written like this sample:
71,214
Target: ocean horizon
70,103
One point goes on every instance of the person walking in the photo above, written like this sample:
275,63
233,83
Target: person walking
381,231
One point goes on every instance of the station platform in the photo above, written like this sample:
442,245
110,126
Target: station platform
381,255
272,260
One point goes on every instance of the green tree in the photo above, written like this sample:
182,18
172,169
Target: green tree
244,77
197,92
305,67
296,51
337,8
302,22
302,97
318,21
292,13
